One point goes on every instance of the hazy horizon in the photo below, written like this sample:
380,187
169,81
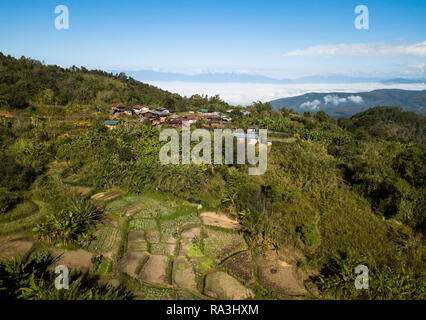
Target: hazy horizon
246,93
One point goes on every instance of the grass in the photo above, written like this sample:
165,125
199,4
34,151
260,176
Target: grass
194,251
185,295
181,266
124,232
104,267
143,261
281,139
169,270
152,293
20,211
172,225
161,249
28,219
116,205
145,214
155,213
206,263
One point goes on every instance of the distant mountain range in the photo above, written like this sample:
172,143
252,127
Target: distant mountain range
150,75
339,104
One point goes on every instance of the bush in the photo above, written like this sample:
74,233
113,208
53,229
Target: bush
71,224
337,280
8,200
307,234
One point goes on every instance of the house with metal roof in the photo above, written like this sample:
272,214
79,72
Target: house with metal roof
110,124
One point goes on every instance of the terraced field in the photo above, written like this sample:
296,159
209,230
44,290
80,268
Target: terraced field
107,241
172,253
162,248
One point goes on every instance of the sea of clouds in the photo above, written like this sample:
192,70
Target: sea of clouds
246,93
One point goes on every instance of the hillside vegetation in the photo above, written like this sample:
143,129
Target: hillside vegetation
335,194
26,82
343,104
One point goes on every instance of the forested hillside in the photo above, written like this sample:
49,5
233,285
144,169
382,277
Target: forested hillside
388,122
25,82
343,104
336,194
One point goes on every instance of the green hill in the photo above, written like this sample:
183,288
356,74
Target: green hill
335,194
388,122
343,104
25,82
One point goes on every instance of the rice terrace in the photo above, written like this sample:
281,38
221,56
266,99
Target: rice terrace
163,248
172,252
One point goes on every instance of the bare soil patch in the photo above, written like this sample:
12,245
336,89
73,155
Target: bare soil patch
191,233
221,285
168,238
137,246
136,235
280,277
15,245
130,263
184,248
184,275
74,260
153,236
154,270
136,241
218,220
80,189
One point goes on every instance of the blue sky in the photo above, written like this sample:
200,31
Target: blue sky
283,39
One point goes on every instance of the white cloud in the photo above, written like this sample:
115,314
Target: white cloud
420,67
364,49
246,93
333,99
356,99
311,105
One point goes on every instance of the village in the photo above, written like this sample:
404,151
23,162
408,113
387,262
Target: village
165,118
162,116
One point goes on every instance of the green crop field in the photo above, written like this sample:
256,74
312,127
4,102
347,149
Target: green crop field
219,244
107,239
143,224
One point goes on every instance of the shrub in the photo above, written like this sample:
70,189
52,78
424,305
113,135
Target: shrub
71,224
8,199
307,234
